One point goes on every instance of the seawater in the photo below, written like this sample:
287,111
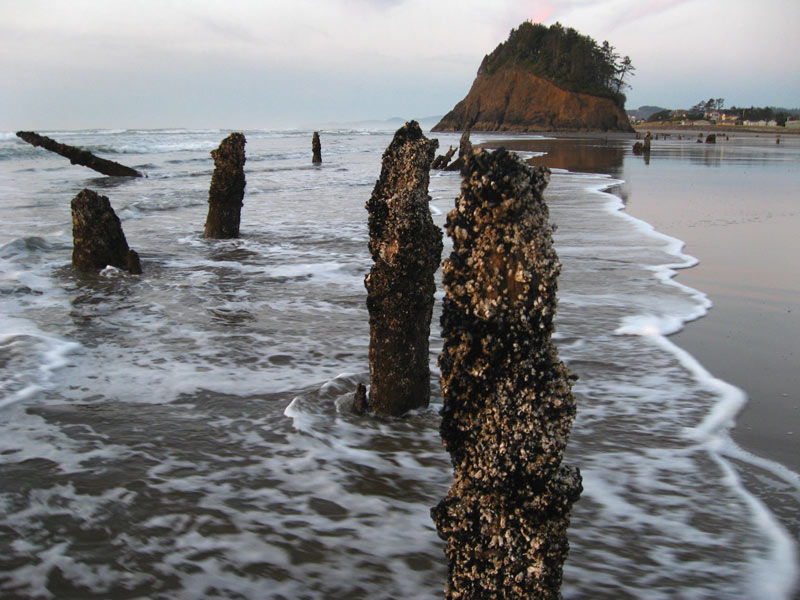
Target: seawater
186,433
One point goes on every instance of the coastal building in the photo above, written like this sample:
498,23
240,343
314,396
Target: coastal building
793,124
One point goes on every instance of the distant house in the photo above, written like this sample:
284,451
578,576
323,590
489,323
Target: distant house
793,124
712,115
729,117
761,123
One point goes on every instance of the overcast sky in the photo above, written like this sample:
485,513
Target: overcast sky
289,63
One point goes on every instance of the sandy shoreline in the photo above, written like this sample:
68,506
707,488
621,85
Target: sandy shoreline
734,205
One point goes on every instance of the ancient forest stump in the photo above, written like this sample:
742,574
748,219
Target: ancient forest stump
98,239
406,248
316,149
464,150
79,157
226,194
508,404
441,161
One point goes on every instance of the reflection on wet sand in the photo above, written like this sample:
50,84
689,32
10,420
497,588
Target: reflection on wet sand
597,155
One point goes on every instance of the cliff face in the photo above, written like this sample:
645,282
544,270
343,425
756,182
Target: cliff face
513,99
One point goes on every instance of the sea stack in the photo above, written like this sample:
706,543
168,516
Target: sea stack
98,239
226,194
544,79
316,149
508,404
406,248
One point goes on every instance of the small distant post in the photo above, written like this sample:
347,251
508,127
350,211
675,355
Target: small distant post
97,236
226,194
316,149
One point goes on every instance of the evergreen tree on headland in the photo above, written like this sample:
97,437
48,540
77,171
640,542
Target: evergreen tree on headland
570,60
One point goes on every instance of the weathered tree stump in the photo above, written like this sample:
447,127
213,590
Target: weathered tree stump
646,146
441,161
406,248
98,239
464,151
316,149
226,194
79,157
508,404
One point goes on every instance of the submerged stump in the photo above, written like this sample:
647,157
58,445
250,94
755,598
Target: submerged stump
406,248
98,239
226,194
79,157
316,149
508,404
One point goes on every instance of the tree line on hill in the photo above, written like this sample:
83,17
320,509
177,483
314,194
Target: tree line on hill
570,60
714,108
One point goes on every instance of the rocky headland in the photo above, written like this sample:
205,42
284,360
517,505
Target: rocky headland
531,83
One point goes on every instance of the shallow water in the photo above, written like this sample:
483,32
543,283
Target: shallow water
185,433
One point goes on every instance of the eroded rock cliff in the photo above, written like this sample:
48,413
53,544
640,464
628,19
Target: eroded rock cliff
514,99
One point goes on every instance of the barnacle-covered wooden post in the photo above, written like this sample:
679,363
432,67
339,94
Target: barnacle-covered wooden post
406,248
508,404
97,236
226,194
316,149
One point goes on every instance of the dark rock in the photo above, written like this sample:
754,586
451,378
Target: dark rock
508,404
406,248
98,239
464,150
443,160
77,156
360,405
226,194
711,138
316,149
638,148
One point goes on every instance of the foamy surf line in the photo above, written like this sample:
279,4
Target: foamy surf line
712,435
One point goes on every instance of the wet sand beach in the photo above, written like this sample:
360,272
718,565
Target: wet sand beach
735,206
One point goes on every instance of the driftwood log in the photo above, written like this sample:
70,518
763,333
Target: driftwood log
406,248
97,236
79,157
226,194
508,404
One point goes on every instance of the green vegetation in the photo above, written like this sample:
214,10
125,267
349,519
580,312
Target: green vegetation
570,60
707,109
